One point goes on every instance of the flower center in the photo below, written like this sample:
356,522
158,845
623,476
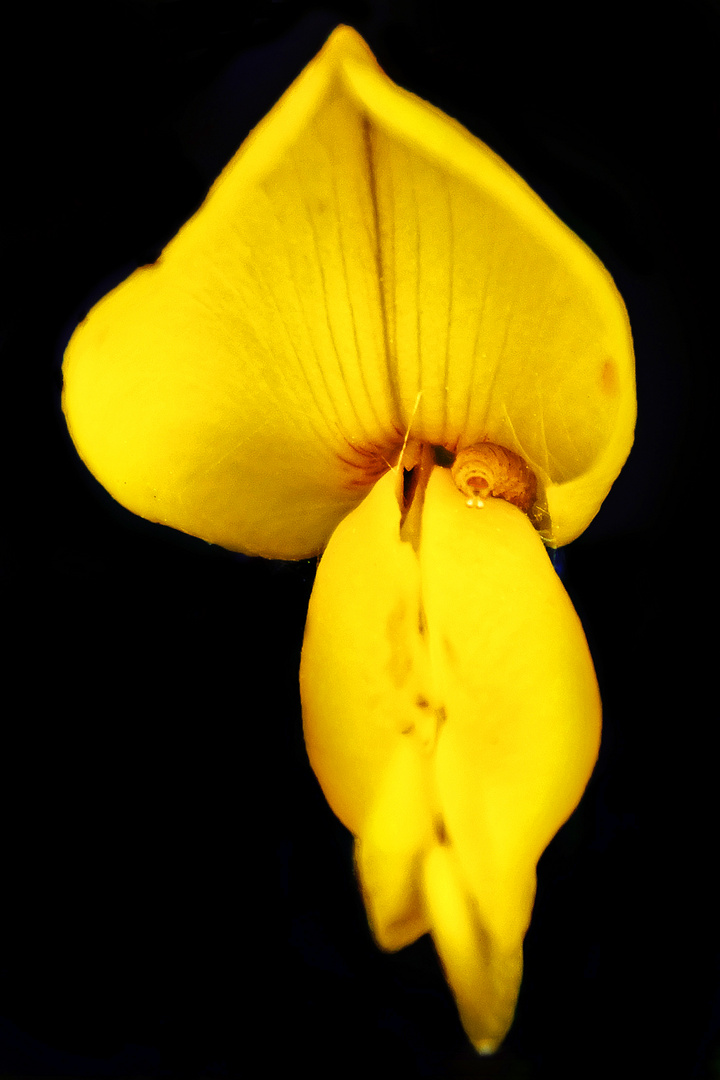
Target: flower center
489,471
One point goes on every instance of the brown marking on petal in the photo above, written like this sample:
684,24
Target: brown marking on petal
441,832
400,659
365,463
449,652
609,378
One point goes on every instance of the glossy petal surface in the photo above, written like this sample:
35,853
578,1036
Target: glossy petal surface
367,282
452,717
363,265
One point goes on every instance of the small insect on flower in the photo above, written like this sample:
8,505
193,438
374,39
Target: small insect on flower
485,471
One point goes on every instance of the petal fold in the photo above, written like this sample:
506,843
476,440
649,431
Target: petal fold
484,980
452,716
362,267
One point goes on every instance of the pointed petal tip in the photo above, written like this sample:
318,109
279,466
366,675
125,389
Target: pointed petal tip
486,1047
345,43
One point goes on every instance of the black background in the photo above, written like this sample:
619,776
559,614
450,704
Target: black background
175,897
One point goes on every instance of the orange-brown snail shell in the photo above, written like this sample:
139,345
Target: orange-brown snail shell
489,471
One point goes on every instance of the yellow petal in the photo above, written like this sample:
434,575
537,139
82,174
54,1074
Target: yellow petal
363,669
238,389
485,980
363,265
498,316
452,717
514,672
389,851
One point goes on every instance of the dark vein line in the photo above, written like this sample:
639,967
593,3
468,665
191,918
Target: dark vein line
351,307
371,168
451,298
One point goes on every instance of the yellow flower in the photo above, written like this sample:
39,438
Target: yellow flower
367,297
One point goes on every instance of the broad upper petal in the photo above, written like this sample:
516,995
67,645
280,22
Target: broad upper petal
363,266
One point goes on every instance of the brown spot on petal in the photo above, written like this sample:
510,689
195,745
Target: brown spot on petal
400,657
609,379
